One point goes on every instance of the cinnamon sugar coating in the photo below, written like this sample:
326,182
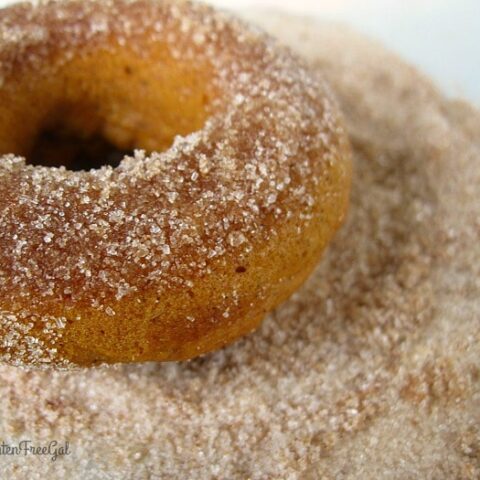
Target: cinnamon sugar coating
239,179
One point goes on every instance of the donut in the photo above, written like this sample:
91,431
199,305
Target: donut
168,176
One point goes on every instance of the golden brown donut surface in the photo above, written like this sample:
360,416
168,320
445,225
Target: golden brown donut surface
239,179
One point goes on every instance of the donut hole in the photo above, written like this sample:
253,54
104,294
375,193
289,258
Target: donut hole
57,146
102,105
72,134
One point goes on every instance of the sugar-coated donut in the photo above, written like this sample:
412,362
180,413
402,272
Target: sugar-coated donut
239,178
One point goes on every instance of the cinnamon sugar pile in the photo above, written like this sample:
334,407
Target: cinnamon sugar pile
371,370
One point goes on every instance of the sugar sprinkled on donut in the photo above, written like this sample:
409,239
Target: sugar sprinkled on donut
126,263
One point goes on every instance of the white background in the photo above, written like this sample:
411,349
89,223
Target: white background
440,36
